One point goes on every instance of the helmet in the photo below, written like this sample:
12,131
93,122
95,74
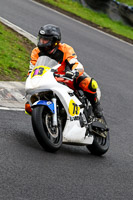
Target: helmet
49,37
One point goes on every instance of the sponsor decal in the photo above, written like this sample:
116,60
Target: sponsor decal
49,102
42,32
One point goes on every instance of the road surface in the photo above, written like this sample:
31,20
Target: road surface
29,173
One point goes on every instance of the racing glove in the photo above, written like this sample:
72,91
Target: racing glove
72,74
69,74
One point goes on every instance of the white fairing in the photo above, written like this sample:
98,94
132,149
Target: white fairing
73,132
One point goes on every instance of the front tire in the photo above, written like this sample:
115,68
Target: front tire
49,137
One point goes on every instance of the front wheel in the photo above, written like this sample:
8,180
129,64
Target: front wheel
100,144
49,137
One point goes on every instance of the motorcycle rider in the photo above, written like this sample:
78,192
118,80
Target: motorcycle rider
49,44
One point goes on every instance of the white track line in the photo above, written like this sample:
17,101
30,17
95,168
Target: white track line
13,109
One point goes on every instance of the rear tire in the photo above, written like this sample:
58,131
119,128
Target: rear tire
100,144
49,137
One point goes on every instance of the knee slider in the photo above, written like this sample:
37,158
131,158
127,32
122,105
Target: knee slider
93,85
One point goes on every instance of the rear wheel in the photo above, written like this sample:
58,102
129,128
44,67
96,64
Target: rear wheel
101,142
49,137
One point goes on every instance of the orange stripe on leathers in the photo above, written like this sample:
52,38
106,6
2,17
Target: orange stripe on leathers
35,55
68,51
84,85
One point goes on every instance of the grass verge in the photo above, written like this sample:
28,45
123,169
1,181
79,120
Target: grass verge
98,20
14,55
127,2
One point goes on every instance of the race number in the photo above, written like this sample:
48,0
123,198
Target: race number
39,71
74,109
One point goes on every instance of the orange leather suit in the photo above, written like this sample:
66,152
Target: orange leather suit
66,56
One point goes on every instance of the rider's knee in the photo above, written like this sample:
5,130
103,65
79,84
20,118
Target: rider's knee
93,85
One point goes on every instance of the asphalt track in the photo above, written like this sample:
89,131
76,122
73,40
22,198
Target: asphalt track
26,171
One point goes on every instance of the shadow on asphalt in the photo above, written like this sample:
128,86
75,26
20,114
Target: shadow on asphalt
66,150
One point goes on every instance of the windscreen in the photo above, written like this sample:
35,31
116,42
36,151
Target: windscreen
46,61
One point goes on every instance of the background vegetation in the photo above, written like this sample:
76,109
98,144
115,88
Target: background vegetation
14,55
128,2
97,18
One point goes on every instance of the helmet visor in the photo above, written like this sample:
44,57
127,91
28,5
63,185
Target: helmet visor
43,40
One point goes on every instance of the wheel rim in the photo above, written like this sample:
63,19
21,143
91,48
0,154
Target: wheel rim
53,133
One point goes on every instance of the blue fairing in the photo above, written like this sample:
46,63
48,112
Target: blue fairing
49,104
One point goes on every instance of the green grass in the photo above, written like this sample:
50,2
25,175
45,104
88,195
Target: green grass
14,55
128,2
98,18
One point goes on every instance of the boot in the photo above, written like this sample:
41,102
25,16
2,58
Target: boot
97,110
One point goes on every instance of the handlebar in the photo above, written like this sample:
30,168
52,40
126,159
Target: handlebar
63,76
69,75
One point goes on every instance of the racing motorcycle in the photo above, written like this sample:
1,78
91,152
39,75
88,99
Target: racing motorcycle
61,114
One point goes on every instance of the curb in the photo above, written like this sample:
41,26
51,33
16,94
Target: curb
11,92
12,95
19,30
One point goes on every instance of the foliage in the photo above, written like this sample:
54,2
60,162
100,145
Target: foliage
127,2
97,18
14,55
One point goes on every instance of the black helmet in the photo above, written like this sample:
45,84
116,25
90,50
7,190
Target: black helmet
51,33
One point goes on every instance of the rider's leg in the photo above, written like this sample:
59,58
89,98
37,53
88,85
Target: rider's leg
89,86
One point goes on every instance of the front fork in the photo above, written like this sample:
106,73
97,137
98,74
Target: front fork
55,123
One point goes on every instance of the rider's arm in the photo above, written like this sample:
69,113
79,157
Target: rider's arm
74,64
34,57
71,60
